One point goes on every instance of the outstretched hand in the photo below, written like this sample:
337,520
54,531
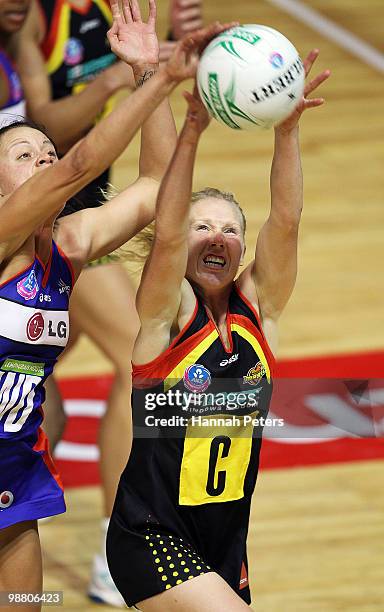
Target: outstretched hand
290,122
184,60
132,39
197,114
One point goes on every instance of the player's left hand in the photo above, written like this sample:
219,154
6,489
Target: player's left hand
132,39
291,122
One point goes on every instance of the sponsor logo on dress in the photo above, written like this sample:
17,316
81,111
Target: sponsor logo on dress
225,362
63,287
35,327
89,25
6,499
197,378
254,374
31,368
45,297
74,52
28,287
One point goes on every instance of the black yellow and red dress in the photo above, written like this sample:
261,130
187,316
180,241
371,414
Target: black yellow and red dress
76,49
183,502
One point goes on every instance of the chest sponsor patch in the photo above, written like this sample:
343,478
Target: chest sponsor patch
63,287
197,378
35,327
254,374
91,24
31,325
23,367
74,52
225,362
28,287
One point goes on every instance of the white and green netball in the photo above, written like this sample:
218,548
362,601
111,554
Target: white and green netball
250,76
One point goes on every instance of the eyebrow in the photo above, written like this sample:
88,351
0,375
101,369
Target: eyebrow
210,221
18,142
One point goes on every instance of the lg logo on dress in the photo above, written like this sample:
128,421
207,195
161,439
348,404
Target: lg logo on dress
36,324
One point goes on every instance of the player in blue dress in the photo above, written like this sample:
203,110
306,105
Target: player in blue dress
40,260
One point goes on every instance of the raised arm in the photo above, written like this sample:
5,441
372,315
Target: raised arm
68,118
44,194
159,295
105,228
273,271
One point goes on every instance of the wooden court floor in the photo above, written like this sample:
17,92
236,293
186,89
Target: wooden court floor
316,536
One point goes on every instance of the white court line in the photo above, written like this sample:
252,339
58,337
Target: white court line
330,30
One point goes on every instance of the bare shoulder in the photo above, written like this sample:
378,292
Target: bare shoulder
155,335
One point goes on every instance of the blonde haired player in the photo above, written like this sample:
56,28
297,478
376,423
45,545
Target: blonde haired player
177,535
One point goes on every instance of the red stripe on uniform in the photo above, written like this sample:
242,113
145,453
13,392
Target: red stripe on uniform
252,329
47,268
159,368
42,444
49,42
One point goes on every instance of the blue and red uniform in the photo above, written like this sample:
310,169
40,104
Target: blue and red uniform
15,103
34,329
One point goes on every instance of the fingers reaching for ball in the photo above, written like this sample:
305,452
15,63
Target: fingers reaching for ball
183,62
305,103
319,79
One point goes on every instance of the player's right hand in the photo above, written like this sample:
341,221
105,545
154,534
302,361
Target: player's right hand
133,40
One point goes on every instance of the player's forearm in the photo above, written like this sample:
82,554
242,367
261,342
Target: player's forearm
158,133
174,200
68,118
108,139
286,179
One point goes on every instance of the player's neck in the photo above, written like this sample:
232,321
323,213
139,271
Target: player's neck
216,302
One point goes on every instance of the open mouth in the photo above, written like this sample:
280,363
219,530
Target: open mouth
214,261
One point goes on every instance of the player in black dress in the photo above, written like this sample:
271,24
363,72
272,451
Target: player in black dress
177,536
